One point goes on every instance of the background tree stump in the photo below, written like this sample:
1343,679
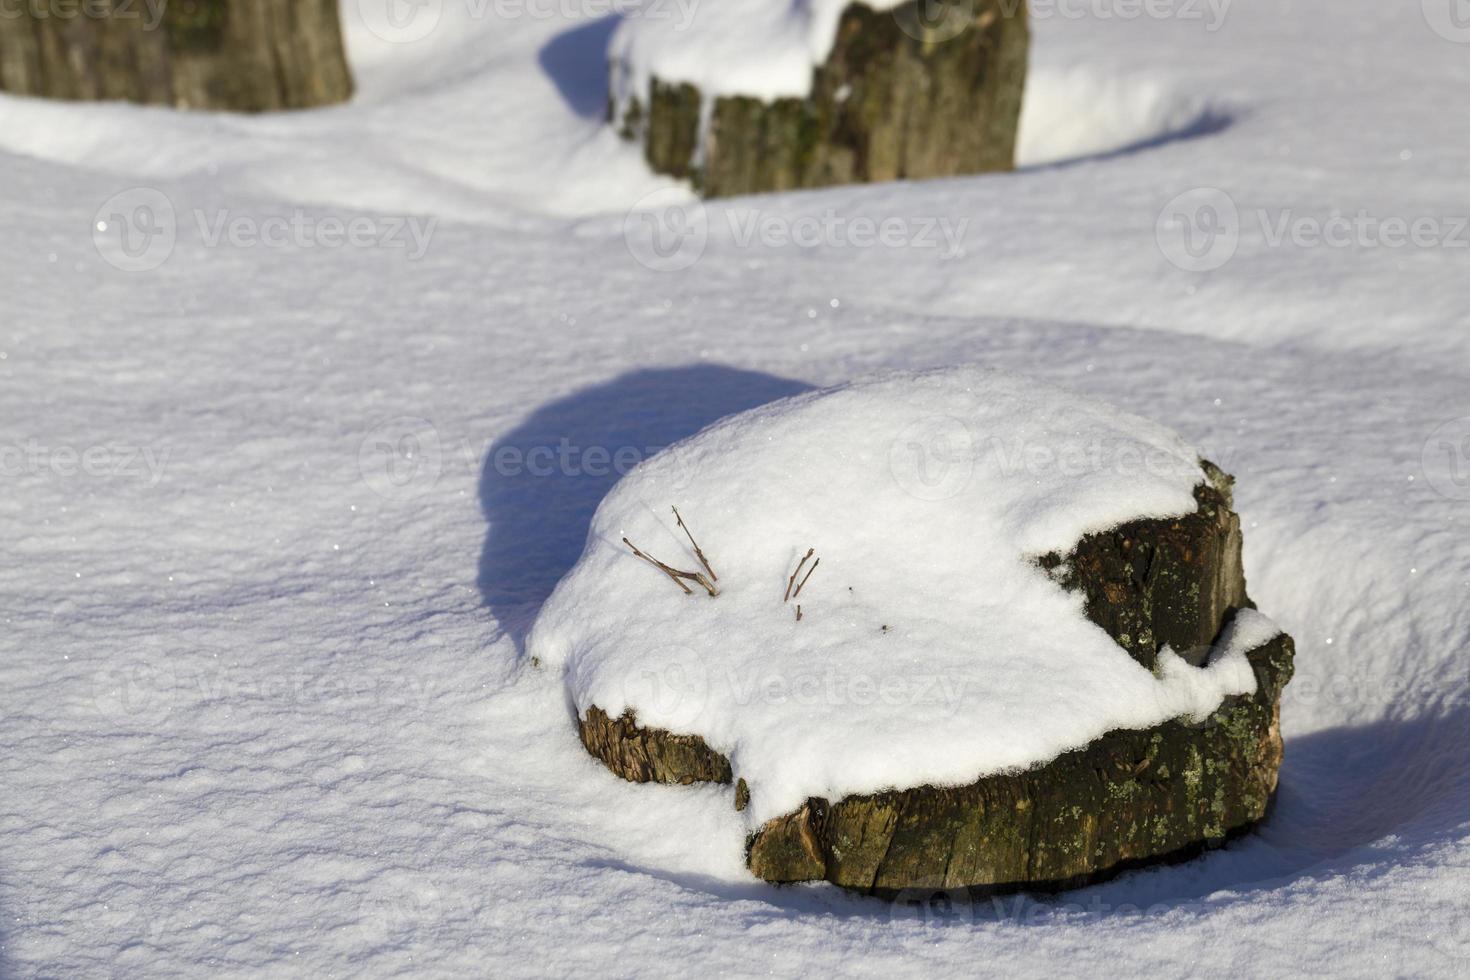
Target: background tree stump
242,55
1128,798
930,89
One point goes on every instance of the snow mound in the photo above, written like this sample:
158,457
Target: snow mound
1081,112
931,649
764,49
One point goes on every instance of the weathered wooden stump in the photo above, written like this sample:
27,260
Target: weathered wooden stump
1129,798
931,89
241,55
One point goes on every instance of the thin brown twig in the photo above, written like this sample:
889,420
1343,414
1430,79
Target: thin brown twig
697,552
674,573
792,581
671,573
808,575
798,612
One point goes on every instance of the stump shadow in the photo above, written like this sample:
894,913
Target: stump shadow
542,481
1209,122
576,62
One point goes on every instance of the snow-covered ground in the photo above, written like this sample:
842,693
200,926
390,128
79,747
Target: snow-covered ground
302,418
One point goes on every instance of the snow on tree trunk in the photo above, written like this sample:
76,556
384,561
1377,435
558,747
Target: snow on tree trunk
1128,798
241,55
903,94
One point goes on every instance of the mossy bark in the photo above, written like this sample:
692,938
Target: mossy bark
1156,583
241,55
1129,798
903,94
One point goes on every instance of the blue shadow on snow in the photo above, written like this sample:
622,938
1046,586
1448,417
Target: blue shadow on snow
542,481
576,61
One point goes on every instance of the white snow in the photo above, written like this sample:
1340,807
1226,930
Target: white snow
928,499
1077,111
332,757
1195,692
763,49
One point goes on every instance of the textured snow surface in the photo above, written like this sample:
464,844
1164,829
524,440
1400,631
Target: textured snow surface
928,499
264,703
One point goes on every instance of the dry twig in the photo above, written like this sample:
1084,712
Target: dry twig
792,581
697,552
808,575
675,574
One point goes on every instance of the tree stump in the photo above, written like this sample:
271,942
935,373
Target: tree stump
241,55
1127,799
930,89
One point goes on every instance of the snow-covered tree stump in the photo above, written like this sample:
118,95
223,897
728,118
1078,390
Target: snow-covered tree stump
1128,798
1027,657
241,55
924,89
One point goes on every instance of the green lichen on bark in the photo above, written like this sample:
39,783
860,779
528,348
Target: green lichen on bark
677,138
893,100
196,25
1127,799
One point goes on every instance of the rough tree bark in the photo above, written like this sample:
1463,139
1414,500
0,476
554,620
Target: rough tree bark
1129,798
904,94
241,55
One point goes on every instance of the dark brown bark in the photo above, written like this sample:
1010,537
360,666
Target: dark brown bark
242,55
1157,583
895,99
650,755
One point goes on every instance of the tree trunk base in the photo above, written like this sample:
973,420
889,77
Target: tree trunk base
239,55
930,89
